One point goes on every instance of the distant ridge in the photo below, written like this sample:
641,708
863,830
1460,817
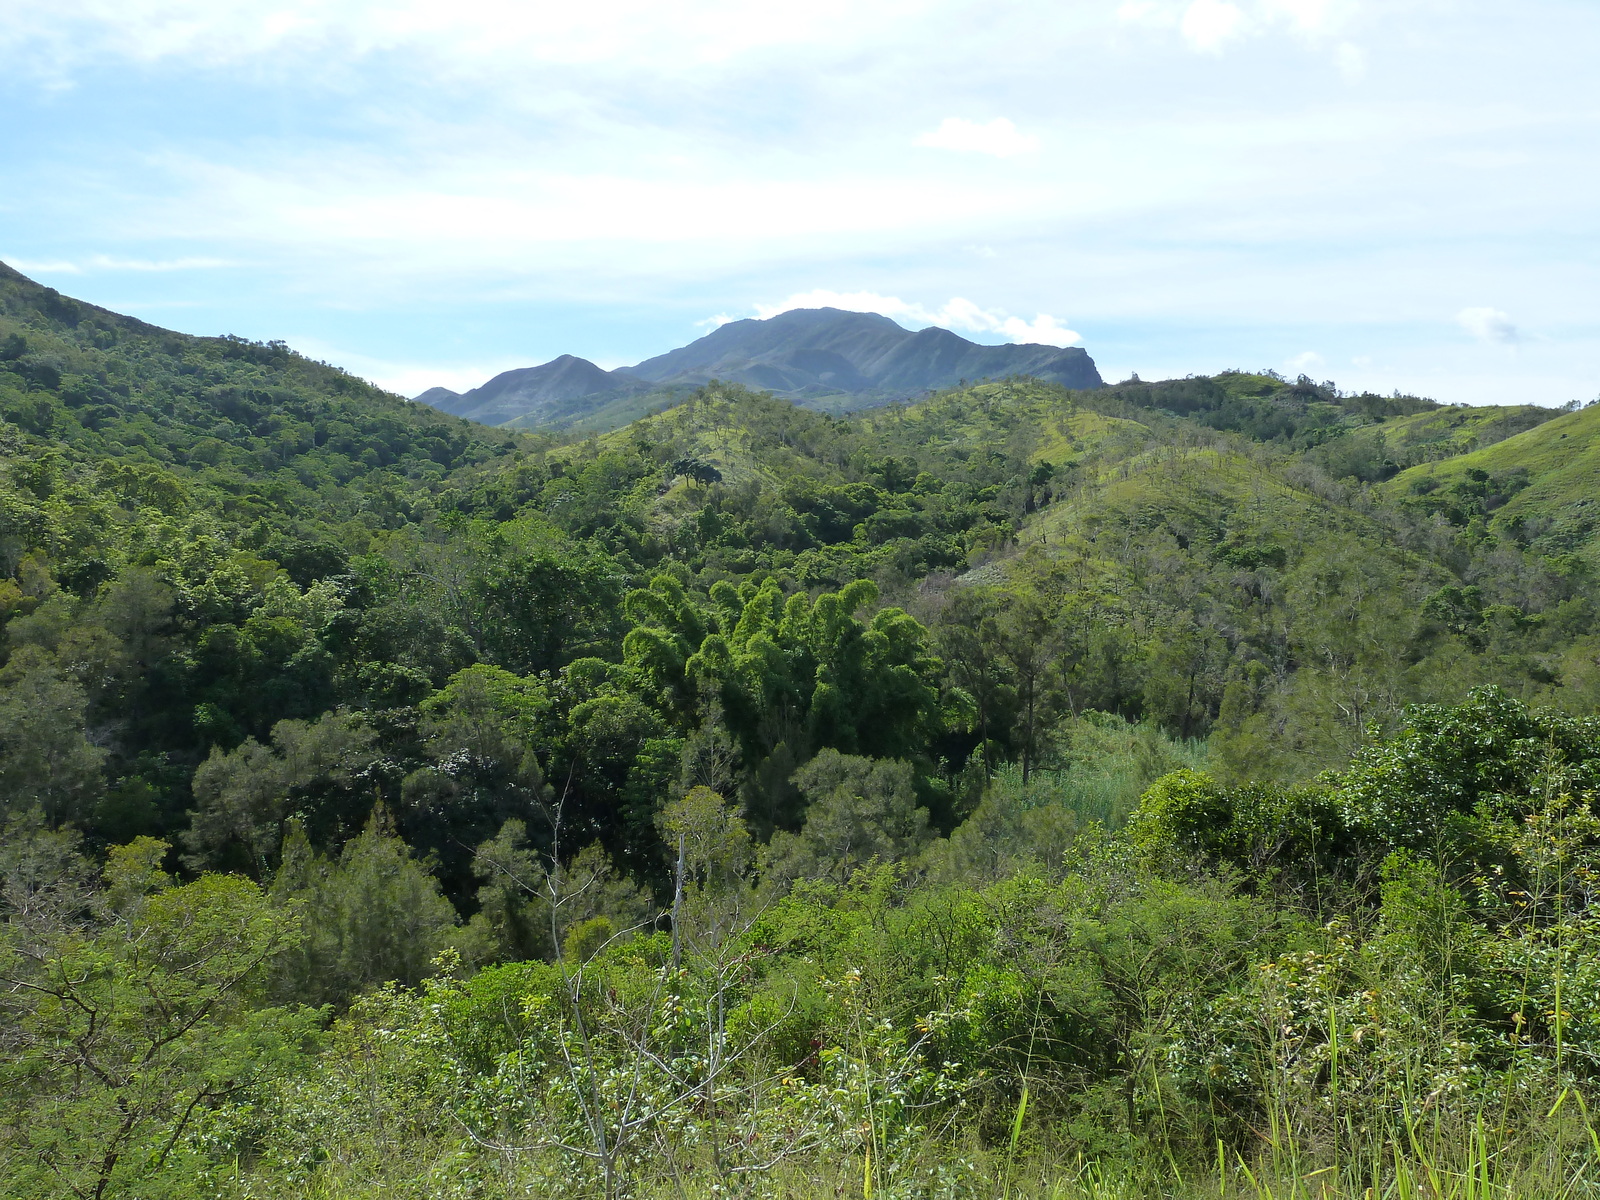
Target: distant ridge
541,394
844,360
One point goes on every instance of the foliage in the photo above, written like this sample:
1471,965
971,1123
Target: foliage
747,800
128,1015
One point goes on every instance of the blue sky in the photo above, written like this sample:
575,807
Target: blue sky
1385,193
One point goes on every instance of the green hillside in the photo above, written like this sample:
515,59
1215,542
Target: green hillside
1539,489
1445,432
109,419
1169,789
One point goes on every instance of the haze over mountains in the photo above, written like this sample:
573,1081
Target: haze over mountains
817,357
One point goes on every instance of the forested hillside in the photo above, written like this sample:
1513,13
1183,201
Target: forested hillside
1162,789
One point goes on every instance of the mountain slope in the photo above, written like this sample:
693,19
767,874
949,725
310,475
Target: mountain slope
124,417
805,344
821,357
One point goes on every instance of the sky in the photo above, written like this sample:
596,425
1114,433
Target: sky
1388,194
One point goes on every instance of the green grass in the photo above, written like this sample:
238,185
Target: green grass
1475,1169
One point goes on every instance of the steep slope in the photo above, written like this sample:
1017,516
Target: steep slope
1445,432
125,417
816,348
935,358
1280,609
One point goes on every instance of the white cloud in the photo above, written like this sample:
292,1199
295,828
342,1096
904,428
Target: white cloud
1206,24
1043,329
1307,16
716,322
483,210
402,377
956,313
1488,325
998,137
102,262
1143,12
1306,362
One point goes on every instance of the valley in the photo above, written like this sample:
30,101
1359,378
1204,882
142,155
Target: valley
825,756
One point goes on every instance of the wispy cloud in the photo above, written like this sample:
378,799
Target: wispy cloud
1207,24
1489,325
956,313
1351,60
32,266
106,262
668,39
998,137
103,262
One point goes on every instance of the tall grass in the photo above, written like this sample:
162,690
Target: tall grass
1099,766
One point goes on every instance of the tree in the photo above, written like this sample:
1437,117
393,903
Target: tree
377,916
1027,638
537,607
127,1018
1492,753
858,811
46,761
1015,826
318,772
978,668
480,730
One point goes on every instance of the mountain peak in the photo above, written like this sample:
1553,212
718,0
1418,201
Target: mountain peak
847,359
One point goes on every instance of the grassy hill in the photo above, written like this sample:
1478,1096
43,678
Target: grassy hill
1539,488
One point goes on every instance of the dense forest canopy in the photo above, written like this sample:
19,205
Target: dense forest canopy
1010,743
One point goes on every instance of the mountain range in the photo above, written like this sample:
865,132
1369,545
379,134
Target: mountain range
823,358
